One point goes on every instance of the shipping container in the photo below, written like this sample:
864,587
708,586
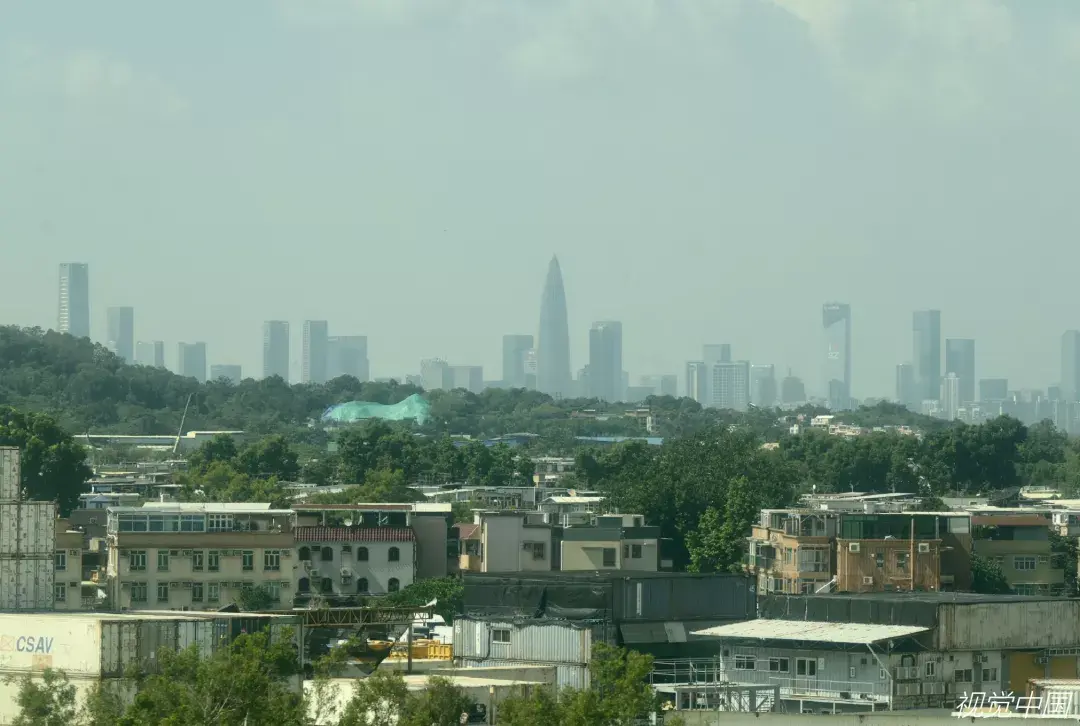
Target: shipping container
1009,625
686,597
536,642
10,474
566,676
26,584
27,528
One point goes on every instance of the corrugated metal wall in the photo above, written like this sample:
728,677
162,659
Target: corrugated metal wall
27,529
26,584
1009,625
566,676
10,473
552,643
686,597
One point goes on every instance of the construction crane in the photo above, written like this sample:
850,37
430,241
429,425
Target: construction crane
182,420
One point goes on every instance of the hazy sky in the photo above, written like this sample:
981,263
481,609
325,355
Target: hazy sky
707,171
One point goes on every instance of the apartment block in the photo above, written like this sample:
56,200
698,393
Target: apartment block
68,569
179,556
1019,542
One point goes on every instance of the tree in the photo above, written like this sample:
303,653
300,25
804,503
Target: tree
621,678
48,702
440,704
533,707
256,599
449,593
987,577
53,466
270,458
377,700
221,448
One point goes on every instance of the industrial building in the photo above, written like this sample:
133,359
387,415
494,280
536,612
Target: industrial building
27,542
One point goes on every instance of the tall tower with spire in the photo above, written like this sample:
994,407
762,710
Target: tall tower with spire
553,346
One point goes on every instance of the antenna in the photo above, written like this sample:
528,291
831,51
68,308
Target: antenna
182,420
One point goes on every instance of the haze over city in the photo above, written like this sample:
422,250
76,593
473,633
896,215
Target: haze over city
705,174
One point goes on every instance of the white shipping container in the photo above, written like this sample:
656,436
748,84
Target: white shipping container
551,643
25,584
27,528
9,473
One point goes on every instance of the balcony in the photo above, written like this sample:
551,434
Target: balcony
470,563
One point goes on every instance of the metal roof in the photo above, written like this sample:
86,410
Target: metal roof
811,631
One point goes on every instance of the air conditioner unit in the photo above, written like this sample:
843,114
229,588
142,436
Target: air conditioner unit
345,571
74,584
189,553
125,584
284,585
188,585
924,548
868,581
175,584
237,585
286,554
933,689
73,552
1042,660
854,547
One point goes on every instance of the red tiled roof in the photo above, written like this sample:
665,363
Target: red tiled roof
468,531
353,507
353,534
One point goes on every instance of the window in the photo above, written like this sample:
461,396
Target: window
192,523
247,560
779,665
962,675
882,674
500,635
303,585
1023,588
393,585
1026,562
744,662
137,560
163,560
930,669
806,667
989,674
1044,559
394,555
609,557
213,592
635,552
197,560
163,592
305,554
536,549
213,560
327,585
879,559
196,592
851,673
327,555
272,560
60,561
138,592
361,554
902,561
362,586
219,523
59,592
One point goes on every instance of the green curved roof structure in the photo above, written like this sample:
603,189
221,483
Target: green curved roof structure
413,408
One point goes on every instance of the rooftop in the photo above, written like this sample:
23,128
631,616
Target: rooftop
203,508
811,631
925,597
353,534
574,500
418,507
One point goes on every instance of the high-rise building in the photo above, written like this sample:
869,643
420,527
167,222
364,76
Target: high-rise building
191,361
471,378
150,353
907,393
792,390
960,359
836,320
731,385
950,396
347,355
1070,365
276,349
662,385
553,346
435,375
697,386
713,353
763,385
121,332
926,347
530,370
231,373
605,361
515,348
313,367
74,313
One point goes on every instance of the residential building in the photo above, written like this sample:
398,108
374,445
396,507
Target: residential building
547,470
120,339
314,367
960,361
731,385
276,349
350,550
605,361
712,354
74,300
907,392
608,542
697,379
1018,541
926,346
68,569
231,373
181,556
348,356
530,370
950,396
1070,365
435,375
763,385
515,350
471,378
191,361
661,385
553,345
150,353
836,321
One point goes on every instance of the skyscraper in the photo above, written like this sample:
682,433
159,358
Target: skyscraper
231,373
763,385
191,361
471,378
1070,365
792,390
926,347
713,353
276,349
121,332
313,367
836,320
950,396
74,313
347,355
605,361
696,384
515,349
960,359
530,369
150,353
553,346
907,394
435,374
731,385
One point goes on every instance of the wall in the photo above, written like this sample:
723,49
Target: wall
585,555
502,538
67,570
878,561
932,718
1005,625
431,539
378,569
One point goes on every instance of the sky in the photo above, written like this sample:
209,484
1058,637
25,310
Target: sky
706,171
